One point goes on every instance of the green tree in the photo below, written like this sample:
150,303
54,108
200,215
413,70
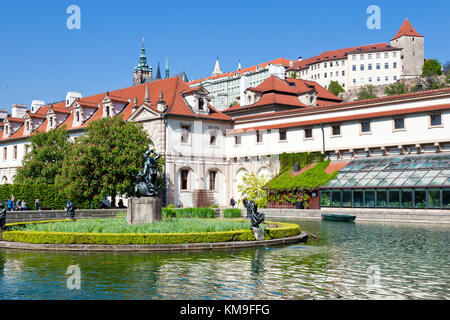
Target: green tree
367,92
104,161
43,163
431,67
252,188
335,88
395,88
447,68
294,75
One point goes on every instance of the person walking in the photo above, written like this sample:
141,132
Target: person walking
9,205
36,204
232,202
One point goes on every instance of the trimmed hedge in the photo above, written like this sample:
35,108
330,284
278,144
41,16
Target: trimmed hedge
188,213
49,196
283,230
232,213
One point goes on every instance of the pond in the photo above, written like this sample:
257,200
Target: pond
358,260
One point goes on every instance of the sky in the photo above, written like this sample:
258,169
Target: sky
42,59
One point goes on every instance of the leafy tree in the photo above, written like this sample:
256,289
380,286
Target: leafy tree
294,75
105,160
396,88
447,68
252,188
335,88
431,67
367,92
43,163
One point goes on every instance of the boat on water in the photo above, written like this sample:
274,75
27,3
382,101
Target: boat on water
338,217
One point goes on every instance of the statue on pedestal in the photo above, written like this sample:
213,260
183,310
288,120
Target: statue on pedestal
256,217
146,178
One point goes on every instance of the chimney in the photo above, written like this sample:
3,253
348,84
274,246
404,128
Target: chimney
18,110
300,58
3,114
36,105
71,97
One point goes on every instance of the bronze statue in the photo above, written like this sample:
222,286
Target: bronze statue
256,217
70,208
146,179
2,215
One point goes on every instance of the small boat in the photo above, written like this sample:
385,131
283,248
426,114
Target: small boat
338,217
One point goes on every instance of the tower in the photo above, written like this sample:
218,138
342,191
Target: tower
412,45
217,69
167,68
239,65
158,73
142,72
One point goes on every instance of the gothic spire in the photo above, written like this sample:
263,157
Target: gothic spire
217,69
158,73
239,65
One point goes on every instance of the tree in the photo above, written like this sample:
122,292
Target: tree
105,160
431,67
396,88
294,75
252,188
335,88
447,68
366,92
43,163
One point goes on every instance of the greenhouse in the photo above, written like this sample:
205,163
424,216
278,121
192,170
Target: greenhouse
413,182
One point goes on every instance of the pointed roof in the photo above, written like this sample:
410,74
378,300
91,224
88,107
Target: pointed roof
407,30
239,65
158,72
217,69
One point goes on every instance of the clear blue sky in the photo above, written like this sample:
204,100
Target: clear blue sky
41,59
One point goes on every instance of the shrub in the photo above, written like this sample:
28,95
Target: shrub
188,213
232,213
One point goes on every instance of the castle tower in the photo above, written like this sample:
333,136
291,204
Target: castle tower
142,72
217,69
412,44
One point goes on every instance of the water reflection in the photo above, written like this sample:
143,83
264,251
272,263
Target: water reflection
347,261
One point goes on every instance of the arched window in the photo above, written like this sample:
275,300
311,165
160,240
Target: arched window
184,175
107,111
212,180
4,180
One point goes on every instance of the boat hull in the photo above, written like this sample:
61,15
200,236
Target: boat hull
338,217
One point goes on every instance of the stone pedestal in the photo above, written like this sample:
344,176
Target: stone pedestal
259,233
144,210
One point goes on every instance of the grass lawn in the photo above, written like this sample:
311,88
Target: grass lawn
119,225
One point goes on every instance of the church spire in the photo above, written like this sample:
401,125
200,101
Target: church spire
167,68
217,69
239,65
158,72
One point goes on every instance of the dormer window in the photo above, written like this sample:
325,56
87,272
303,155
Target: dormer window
201,103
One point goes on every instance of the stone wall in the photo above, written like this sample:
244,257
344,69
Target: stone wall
19,216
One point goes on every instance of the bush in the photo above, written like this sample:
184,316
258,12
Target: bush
232,213
188,213
281,230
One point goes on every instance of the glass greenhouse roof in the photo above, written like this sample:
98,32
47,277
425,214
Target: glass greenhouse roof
406,171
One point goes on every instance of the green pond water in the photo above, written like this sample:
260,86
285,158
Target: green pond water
347,261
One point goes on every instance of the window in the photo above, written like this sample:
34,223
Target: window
378,55
184,179
354,81
331,63
28,126
5,153
107,111
343,72
395,78
185,132
308,133
386,65
365,126
201,103
354,67
435,120
354,57
282,134
212,180
77,115
237,139
386,78
386,55
51,122
259,137
395,65
361,67
399,123
370,79
369,56
343,63
394,54
213,136
336,130
378,79
325,65
369,67
361,56
325,75
15,153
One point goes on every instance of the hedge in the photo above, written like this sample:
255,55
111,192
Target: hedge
49,196
188,213
232,213
282,230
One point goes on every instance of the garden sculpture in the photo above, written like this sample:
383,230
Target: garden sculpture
71,210
2,215
146,178
256,217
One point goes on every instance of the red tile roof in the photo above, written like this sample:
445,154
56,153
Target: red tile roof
372,115
282,61
336,166
406,30
341,54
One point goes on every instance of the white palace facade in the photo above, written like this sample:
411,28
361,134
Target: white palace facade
206,149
